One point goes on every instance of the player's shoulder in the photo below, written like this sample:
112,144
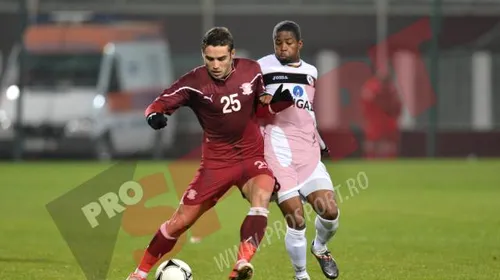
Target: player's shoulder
267,59
189,81
246,64
309,69
193,76
197,72
247,68
267,62
270,63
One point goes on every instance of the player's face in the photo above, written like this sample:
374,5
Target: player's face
287,47
218,60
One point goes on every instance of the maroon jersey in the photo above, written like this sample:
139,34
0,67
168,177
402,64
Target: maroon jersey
224,108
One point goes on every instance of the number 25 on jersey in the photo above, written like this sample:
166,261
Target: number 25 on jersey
231,103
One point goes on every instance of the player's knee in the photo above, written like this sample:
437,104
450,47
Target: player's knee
296,221
178,224
266,184
330,212
175,229
261,190
326,207
260,198
294,215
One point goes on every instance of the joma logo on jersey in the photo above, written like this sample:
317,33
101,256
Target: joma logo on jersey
280,77
303,104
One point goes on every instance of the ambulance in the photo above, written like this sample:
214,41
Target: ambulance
86,86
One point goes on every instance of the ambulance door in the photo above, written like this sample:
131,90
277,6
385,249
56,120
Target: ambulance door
116,103
138,68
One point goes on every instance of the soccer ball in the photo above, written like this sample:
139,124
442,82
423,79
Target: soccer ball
174,269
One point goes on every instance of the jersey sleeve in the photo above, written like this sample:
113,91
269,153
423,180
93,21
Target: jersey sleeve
261,111
258,81
175,96
261,65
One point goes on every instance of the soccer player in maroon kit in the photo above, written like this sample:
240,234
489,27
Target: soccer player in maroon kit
226,95
381,108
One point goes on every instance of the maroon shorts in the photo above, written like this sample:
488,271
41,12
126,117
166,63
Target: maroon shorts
209,185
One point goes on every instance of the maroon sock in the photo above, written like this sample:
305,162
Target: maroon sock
157,248
252,231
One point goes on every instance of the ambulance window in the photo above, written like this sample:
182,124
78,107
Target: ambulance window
58,69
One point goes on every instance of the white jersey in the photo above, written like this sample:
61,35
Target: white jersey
291,142
298,121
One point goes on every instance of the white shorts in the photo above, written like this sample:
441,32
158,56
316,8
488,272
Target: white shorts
296,163
319,180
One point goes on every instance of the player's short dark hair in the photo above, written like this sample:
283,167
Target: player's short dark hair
218,36
287,25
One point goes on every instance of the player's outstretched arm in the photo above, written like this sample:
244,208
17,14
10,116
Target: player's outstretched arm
177,95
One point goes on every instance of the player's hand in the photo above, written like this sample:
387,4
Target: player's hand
282,99
157,120
281,95
265,98
325,152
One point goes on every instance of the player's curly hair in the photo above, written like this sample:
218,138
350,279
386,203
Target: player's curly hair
287,25
218,36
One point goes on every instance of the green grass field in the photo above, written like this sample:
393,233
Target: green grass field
414,220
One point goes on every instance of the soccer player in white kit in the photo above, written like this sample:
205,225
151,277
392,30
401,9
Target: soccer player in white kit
293,150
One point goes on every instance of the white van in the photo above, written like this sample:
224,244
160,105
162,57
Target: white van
86,87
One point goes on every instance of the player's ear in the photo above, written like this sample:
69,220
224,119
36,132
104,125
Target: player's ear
233,52
300,44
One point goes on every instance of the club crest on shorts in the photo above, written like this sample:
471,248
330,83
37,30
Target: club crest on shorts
191,194
246,88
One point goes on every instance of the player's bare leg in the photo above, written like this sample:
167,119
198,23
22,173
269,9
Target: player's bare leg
166,237
295,238
326,223
258,191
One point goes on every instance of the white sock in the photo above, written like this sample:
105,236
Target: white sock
325,230
296,246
